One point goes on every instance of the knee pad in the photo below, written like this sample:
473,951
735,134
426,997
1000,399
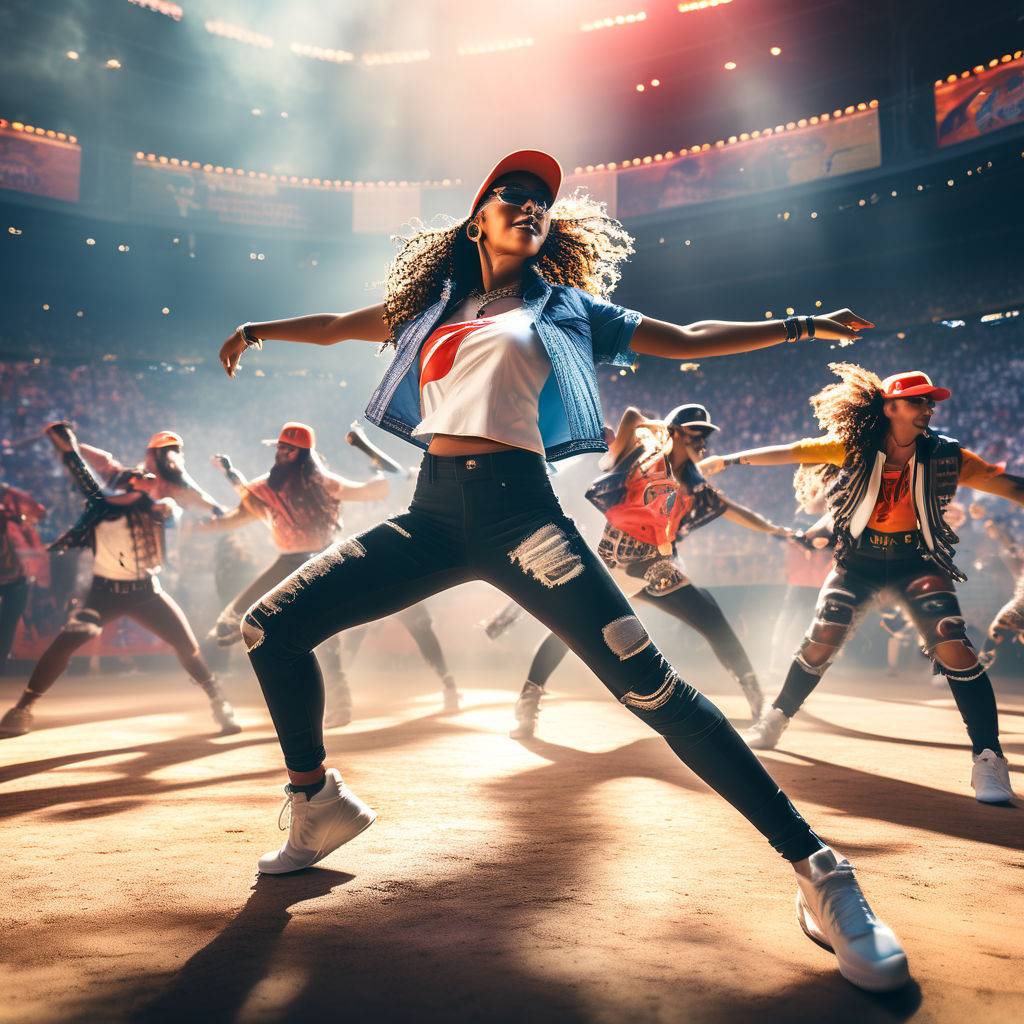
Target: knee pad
84,622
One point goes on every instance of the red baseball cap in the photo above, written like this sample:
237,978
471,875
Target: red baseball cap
532,161
910,383
298,435
165,439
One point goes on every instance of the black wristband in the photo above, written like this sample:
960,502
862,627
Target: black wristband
792,328
809,323
731,460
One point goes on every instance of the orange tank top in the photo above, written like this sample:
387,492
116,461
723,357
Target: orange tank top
894,509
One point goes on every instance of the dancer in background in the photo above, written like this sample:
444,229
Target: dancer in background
299,500
498,322
889,479
652,496
126,533
18,511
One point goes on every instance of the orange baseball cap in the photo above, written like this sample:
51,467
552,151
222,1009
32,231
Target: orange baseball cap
910,383
533,161
298,435
166,439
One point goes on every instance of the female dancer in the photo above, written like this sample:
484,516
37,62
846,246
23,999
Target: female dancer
652,497
890,481
497,323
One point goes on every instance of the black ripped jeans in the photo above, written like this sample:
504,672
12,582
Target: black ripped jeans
495,518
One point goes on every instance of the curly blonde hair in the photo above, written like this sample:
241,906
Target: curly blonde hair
584,249
850,410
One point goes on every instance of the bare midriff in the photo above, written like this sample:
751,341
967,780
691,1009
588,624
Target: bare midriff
450,444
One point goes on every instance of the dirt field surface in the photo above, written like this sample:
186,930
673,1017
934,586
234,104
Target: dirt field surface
583,876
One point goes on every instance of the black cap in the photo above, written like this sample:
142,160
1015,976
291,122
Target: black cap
695,416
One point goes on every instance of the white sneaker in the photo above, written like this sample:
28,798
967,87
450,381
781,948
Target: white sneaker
318,826
527,711
16,722
765,733
990,778
833,912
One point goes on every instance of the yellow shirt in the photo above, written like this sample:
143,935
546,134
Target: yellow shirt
974,470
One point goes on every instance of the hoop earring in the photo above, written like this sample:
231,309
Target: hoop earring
473,231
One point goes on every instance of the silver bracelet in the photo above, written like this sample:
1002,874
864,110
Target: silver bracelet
250,339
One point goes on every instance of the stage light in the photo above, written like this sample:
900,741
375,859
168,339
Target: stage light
814,214
950,182
862,202
729,65
72,55
122,247
776,51
284,114
893,193
256,112
687,242
114,64
322,53
175,241
640,87
13,230
901,335
79,313
817,303
166,310
395,57
169,10
790,311
476,49
920,188
90,241
46,307
655,82
700,5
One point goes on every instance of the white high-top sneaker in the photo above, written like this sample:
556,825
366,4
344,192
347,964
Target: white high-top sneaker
990,778
318,826
833,912
765,733
527,711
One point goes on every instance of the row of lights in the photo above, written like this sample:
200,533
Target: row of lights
980,69
168,10
615,21
476,49
290,179
111,63
732,140
29,129
701,5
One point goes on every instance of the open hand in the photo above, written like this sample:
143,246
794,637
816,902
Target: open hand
231,352
842,325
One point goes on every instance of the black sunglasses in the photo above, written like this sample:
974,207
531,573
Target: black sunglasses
921,400
520,195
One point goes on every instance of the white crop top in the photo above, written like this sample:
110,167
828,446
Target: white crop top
483,378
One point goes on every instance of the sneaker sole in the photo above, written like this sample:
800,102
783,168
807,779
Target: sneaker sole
992,798
865,980
352,827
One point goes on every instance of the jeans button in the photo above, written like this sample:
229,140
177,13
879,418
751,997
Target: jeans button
470,463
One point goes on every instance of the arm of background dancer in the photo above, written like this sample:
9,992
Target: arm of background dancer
101,462
809,450
374,489
240,515
26,506
707,338
625,436
752,520
984,476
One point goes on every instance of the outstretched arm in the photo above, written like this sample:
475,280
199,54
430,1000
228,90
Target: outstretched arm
234,475
813,451
752,520
241,515
986,476
374,489
723,338
365,324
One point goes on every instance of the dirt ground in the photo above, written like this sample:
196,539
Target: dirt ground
584,876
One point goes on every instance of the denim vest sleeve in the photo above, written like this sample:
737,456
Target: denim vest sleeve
611,329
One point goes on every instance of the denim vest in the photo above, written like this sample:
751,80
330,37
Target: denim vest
577,330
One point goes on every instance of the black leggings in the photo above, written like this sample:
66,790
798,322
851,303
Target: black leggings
929,598
13,599
689,604
495,518
153,609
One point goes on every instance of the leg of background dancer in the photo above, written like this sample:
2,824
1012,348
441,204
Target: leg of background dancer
337,694
701,612
358,580
13,600
555,576
931,603
162,616
227,629
843,602
83,625
546,659
421,628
